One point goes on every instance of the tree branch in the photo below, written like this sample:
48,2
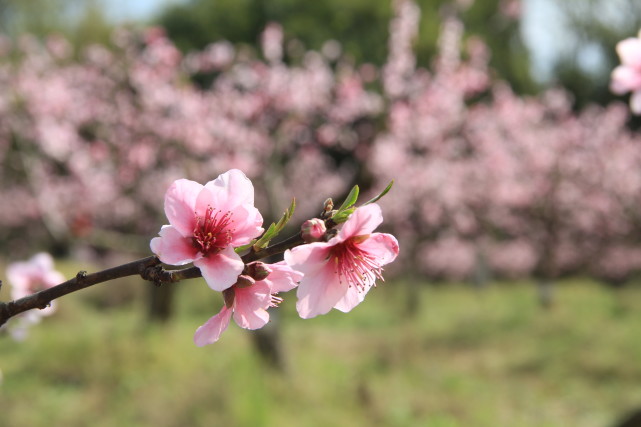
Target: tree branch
149,268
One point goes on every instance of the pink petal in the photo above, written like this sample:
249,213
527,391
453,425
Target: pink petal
52,278
308,258
635,102
629,51
625,79
247,224
352,298
19,275
210,332
382,246
319,292
42,261
172,248
250,305
180,205
204,200
220,271
231,189
282,277
363,221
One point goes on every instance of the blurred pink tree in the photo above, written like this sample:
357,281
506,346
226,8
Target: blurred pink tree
485,180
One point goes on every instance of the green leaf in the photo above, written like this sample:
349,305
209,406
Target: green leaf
351,199
275,228
384,192
342,216
243,248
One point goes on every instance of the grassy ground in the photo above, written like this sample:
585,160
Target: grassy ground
466,358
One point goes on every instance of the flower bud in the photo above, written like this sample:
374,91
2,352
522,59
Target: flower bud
313,230
257,270
228,296
244,281
328,206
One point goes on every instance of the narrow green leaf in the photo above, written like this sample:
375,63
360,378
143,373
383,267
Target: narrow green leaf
351,199
243,248
384,192
275,228
342,216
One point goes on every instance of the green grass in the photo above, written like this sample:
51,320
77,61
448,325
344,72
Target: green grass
466,358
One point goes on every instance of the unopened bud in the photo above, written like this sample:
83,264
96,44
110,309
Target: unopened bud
313,230
244,281
327,208
228,296
257,270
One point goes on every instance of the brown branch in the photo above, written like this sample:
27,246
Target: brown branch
149,268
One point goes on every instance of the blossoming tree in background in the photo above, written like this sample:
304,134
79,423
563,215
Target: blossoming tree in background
485,180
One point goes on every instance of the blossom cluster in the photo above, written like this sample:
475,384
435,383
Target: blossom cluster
209,224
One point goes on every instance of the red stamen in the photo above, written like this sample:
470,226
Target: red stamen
213,233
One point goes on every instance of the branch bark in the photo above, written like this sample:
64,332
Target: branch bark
150,268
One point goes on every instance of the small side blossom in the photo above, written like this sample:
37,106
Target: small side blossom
627,76
206,223
26,278
34,275
338,273
248,300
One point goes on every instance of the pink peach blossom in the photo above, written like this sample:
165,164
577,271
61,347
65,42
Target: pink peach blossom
339,273
206,223
26,278
627,76
248,302
34,275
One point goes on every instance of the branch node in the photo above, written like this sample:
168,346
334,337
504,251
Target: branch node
81,275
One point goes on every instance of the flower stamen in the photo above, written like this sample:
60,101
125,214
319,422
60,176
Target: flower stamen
213,232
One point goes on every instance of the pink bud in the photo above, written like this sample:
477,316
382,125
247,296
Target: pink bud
313,230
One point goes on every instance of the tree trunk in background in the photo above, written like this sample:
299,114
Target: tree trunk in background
545,291
161,302
268,343
481,275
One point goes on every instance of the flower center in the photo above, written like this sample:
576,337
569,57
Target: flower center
212,232
354,265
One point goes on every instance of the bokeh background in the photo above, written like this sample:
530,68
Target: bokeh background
515,299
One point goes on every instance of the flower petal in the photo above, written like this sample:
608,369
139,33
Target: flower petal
319,292
635,102
352,298
282,277
210,332
180,205
172,248
247,224
382,246
629,51
220,271
231,189
364,220
250,305
308,258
